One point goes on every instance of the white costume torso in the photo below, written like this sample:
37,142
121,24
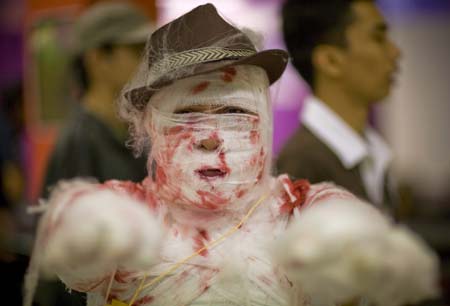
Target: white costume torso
237,271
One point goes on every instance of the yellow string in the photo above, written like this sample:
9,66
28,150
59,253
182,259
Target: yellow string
198,252
117,303
108,290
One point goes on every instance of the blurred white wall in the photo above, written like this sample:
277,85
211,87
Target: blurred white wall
416,117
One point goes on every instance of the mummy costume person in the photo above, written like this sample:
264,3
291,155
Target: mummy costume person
210,225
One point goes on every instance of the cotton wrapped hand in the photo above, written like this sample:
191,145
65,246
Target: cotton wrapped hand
339,250
93,231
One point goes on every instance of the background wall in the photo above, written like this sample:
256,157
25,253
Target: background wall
415,119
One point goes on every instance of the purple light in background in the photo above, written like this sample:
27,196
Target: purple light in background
11,42
288,95
408,7
11,46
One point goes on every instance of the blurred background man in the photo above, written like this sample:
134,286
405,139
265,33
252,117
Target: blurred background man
343,51
109,38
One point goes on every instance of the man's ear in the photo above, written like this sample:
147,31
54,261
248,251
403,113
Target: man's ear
328,60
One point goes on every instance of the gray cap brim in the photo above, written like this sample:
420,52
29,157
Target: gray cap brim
138,35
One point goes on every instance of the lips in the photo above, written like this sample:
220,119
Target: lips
211,173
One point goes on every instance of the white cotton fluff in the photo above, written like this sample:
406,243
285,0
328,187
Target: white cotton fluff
102,230
340,250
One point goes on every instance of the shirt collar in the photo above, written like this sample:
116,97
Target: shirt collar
349,146
379,149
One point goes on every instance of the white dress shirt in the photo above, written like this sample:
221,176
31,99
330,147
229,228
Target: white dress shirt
371,152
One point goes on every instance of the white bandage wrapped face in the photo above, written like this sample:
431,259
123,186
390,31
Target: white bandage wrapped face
210,136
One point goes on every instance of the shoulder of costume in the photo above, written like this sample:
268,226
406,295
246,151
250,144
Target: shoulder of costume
300,193
142,191
292,193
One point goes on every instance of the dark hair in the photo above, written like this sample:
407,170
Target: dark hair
79,68
309,23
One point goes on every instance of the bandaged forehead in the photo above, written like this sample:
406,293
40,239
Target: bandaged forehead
244,87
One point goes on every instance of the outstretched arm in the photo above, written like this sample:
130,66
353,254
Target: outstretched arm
339,248
89,230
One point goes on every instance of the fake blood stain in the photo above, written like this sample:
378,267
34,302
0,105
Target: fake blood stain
176,136
200,87
223,164
199,242
240,193
254,137
228,74
210,200
161,175
144,300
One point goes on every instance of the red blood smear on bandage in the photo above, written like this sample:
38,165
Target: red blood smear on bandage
161,177
174,130
254,137
175,143
210,200
298,189
223,164
261,163
204,234
199,242
144,300
215,136
228,74
240,193
254,160
200,87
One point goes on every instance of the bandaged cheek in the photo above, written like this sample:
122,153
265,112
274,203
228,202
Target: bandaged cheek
208,177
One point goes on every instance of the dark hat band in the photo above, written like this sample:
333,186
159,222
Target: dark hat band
196,56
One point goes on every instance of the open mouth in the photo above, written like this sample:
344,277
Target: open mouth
211,173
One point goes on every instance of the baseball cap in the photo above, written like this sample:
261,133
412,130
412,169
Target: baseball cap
110,22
